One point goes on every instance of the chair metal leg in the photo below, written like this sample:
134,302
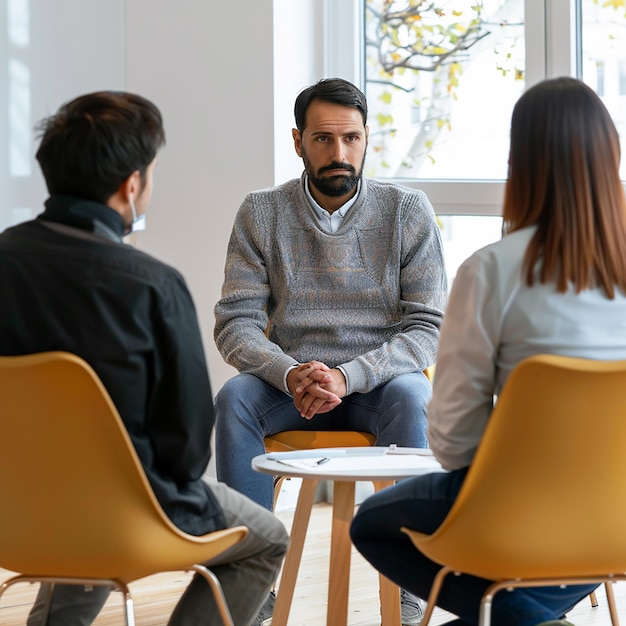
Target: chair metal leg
114,584
431,603
129,610
486,602
218,593
278,483
487,599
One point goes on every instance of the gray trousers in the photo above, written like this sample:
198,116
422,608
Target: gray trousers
246,572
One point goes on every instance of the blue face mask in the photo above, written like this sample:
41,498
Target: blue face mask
139,221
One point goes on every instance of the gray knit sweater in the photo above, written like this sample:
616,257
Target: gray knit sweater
369,297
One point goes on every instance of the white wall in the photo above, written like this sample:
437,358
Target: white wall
298,62
225,76
208,66
50,52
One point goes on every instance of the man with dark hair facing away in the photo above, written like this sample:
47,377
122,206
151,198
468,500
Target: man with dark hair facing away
70,283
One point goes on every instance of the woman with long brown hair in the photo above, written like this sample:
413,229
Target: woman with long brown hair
555,283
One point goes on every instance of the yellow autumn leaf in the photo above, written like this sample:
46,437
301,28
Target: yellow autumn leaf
435,50
454,69
616,4
384,119
386,97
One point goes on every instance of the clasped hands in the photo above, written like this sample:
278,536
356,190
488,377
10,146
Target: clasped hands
316,388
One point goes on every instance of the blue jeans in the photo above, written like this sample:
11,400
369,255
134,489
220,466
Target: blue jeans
248,409
421,503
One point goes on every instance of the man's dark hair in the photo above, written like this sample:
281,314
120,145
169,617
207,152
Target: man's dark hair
96,141
335,90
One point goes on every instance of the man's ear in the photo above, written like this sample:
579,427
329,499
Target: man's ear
128,188
131,186
297,141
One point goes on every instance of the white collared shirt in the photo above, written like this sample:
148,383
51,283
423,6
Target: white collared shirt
330,221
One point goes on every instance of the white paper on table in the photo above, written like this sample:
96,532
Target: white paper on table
368,462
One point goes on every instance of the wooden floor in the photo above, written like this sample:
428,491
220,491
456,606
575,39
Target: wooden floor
155,596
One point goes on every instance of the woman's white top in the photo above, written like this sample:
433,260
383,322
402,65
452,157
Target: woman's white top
494,320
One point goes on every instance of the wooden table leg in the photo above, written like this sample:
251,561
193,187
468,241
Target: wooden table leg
389,591
289,574
389,602
340,552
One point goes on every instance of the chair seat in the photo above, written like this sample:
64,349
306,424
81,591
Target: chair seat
314,439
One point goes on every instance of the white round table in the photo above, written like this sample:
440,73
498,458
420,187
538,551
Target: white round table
344,467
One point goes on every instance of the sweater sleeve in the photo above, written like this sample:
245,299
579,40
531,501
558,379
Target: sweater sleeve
241,328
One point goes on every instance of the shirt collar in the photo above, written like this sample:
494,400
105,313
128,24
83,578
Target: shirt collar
341,211
86,214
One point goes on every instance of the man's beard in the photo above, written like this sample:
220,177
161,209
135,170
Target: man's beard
333,186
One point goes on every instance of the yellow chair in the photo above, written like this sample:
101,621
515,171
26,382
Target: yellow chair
77,507
557,431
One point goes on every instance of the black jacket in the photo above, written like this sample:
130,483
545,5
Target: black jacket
67,282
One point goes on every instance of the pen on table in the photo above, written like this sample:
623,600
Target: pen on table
324,460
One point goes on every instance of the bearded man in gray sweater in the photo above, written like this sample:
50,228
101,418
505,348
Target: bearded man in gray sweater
332,301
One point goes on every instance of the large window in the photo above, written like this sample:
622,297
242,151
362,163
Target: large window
603,57
428,67
442,78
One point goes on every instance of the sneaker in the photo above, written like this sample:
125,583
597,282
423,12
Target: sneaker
264,618
411,609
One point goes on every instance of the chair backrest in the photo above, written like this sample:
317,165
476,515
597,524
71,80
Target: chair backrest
76,501
545,492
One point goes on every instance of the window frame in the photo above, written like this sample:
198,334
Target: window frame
552,41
